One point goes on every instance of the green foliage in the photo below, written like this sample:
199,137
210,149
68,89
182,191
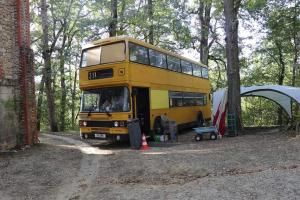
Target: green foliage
255,5
176,27
259,112
65,36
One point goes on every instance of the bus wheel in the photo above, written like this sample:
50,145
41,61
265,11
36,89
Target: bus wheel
200,119
85,136
198,137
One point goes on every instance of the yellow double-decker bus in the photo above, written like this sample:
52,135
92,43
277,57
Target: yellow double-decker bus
122,78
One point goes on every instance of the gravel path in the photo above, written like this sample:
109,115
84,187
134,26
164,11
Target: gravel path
79,184
252,166
38,172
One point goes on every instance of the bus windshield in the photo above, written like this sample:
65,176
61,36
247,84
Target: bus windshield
112,99
103,54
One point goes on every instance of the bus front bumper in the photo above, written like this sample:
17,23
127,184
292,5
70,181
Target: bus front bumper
104,133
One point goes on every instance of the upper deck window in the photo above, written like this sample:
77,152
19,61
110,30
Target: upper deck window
90,57
186,67
204,72
103,54
138,53
113,53
197,70
174,63
157,59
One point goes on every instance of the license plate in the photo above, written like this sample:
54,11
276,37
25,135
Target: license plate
100,135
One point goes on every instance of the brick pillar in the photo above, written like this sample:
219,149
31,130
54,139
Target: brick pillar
17,96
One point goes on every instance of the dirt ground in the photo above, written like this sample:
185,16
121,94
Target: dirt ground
260,165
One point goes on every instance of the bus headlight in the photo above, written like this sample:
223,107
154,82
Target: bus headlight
116,124
82,123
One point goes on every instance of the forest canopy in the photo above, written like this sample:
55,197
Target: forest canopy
268,36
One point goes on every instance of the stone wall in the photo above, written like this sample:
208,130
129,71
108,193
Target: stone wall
17,99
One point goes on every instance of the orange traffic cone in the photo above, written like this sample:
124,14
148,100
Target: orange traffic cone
144,143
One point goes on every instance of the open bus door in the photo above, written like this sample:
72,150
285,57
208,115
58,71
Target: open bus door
141,107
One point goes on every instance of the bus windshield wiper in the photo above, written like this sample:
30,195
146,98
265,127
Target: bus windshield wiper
89,113
92,108
108,113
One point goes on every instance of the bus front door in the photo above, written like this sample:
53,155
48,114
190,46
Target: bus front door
142,106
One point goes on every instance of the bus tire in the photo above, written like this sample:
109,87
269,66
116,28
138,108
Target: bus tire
84,136
200,119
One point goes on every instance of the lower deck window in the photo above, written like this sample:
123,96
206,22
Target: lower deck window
175,99
178,99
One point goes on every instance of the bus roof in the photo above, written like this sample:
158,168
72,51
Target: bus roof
130,39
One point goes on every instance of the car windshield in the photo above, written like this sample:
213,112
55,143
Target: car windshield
113,99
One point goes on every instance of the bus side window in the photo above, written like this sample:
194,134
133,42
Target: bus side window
204,99
204,72
138,54
186,67
197,70
200,99
175,99
188,99
174,63
157,59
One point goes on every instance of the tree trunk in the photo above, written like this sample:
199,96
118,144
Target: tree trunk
281,74
63,97
295,63
231,8
73,99
47,65
122,18
150,18
114,18
40,102
63,91
281,77
296,38
204,17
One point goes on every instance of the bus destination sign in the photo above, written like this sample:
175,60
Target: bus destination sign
100,74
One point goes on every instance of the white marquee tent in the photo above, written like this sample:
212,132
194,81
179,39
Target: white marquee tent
282,95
